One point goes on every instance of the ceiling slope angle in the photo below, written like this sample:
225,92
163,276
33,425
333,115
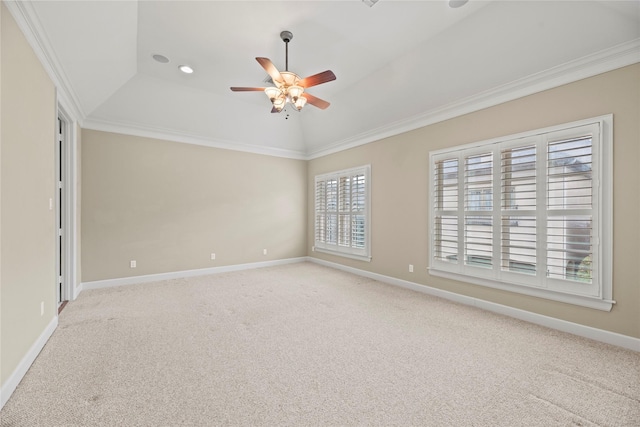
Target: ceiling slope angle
503,51
400,64
153,107
94,57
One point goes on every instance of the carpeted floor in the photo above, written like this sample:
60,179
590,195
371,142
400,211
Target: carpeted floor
303,344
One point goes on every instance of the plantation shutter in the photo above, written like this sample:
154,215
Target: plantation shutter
345,211
358,211
570,209
332,211
518,242
528,213
445,193
341,211
321,211
478,206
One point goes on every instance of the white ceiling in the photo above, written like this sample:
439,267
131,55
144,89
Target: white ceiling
399,64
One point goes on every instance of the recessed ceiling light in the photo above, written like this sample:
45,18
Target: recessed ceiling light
161,58
457,3
186,69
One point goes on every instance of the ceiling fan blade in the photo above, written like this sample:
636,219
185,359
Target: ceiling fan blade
247,89
316,102
270,69
316,79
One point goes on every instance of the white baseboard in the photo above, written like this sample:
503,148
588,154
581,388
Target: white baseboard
14,379
98,284
601,335
539,319
608,337
76,291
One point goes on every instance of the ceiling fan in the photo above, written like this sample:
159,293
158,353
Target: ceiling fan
289,87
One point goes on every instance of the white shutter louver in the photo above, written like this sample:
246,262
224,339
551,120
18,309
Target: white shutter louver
321,195
478,201
518,219
569,205
445,191
358,206
332,211
341,211
345,211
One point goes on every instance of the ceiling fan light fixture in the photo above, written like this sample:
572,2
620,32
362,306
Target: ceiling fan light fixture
273,93
300,102
295,92
279,103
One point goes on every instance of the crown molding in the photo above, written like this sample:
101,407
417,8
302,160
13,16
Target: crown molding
27,19
588,66
600,62
175,136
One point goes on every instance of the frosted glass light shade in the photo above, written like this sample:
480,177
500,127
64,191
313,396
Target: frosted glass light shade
300,102
295,92
273,93
279,103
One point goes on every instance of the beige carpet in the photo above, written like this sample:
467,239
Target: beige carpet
303,344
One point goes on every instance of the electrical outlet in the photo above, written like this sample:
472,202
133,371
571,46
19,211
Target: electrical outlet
213,256
410,268
264,252
41,308
313,248
133,263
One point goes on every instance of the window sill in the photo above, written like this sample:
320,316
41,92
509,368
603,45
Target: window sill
366,258
584,301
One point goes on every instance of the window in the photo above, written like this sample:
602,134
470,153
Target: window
529,213
342,213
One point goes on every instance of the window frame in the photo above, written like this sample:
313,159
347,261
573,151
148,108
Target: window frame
600,292
364,253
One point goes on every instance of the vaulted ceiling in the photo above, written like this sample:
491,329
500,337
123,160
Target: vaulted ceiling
399,64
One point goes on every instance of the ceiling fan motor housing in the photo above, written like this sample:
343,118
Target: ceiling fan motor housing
286,36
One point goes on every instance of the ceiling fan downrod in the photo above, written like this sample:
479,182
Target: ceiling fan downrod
286,37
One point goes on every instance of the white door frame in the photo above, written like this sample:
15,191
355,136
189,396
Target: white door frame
69,219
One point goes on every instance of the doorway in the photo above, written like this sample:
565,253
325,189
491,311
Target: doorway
65,210
60,213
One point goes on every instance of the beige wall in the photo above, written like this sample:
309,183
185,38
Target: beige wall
169,205
399,176
27,226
